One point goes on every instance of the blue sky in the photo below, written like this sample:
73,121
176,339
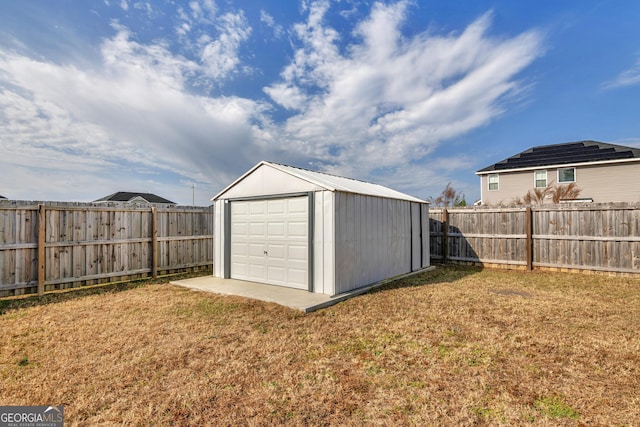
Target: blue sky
126,95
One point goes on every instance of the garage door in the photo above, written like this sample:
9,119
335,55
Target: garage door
270,241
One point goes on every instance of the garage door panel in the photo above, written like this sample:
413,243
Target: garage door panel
276,229
239,249
297,252
277,207
240,229
240,208
276,252
256,229
299,205
269,241
256,271
298,277
297,229
256,250
276,274
256,208
240,269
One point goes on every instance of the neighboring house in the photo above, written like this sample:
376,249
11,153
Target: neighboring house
3,198
135,199
604,172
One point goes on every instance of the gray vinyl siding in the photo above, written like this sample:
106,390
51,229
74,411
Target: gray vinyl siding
377,238
602,183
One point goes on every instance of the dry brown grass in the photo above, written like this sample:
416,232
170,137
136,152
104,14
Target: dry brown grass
456,346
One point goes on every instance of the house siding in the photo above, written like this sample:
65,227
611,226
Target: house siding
602,183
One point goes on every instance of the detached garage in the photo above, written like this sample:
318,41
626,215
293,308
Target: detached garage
287,226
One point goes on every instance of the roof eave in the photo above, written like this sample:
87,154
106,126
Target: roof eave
303,177
557,165
272,165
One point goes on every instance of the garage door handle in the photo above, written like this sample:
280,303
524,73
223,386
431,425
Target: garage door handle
266,253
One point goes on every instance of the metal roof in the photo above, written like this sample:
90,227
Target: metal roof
331,183
564,154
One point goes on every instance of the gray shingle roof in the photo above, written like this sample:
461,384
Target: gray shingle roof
124,196
567,153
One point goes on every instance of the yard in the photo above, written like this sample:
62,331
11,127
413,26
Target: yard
455,346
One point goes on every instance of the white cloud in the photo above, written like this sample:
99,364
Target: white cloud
290,97
628,77
203,11
144,6
132,111
267,19
213,39
389,100
220,56
372,110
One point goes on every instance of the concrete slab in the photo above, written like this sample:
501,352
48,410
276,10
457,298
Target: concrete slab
292,298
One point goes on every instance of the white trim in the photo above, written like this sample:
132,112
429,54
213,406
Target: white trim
563,165
546,178
575,175
489,182
327,182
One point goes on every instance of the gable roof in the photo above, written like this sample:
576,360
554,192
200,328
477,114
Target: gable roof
328,182
124,196
570,153
2,197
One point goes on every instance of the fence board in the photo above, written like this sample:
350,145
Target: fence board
598,237
85,244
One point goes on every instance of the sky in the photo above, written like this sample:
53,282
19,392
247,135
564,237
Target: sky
180,98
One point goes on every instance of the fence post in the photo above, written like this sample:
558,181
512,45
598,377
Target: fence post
154,242
445,235
529,232
42,219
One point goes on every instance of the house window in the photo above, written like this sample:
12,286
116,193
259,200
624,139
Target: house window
494,182
566,175
541,179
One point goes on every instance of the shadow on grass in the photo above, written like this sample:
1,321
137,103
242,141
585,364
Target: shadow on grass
20,302
443,273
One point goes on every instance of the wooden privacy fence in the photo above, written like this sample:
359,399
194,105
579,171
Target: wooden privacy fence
599,237
53,246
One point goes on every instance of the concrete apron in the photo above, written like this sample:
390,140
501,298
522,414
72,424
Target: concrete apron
293,298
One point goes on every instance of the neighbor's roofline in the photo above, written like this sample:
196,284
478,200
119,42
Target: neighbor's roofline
558,165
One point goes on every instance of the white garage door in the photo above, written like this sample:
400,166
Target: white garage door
270,241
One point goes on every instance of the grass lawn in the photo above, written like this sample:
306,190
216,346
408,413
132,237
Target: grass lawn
455,346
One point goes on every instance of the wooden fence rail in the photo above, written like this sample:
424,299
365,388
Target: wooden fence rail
45,247
598,237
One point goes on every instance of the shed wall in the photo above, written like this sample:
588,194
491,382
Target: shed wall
377,238
218,238
358,240
323,250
